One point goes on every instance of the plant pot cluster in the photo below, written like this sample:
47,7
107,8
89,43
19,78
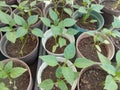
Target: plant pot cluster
78,44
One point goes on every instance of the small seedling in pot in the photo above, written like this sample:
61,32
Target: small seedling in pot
86,8
10,73
17,27
58,26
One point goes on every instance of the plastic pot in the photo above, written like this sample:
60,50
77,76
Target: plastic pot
44,65
109,47
29,58
49,34
94,15
24,65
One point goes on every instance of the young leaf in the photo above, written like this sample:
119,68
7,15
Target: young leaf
106,42
58,72
1,65
32,19
68,22
93,21
47,84
55,30
46,21
8,66
98,48
19,20
5,29
54,47
17,72
97,7
108,68
37,32
68,74
72,31
118,58
53,15
21,32
11,36
110,84
103,59
50,60
33,3
83,62
62,85
68,11
62,42
3,87
116,22
82,9
70,51
3,74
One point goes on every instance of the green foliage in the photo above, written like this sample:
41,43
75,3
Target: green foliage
8,71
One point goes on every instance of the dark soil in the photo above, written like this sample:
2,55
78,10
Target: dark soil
22,82
110,5
86,47
51,42
92,79
49,73
87,25
13,49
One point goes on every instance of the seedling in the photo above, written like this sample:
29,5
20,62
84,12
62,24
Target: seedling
57,27
86,9
8,72
22,30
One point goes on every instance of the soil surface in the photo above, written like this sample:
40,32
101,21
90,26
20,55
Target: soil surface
86,47
13,49
51,42
49,73
92,79
110,5
87,25
22,82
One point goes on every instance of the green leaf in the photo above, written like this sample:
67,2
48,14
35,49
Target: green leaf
68,11
5,29
82,9
58,72
72,31
62,85
21,32
46,21
110,84
70,51
53,15
118,58
1,65
62,42
54,47
3,87
68,22
17,72
68,74
5,18
98,48
106,42
50,60
115,33
87,1
32,19
11,36
3,74
33,3
83,62
116,22
93,21
47,84
37,32
19,20
108,68
97,7
8,66
55,30
103,59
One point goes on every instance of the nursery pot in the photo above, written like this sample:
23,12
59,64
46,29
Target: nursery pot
11,2
110,50
19,63
91,78
29,58
94,15
44,65
49,34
